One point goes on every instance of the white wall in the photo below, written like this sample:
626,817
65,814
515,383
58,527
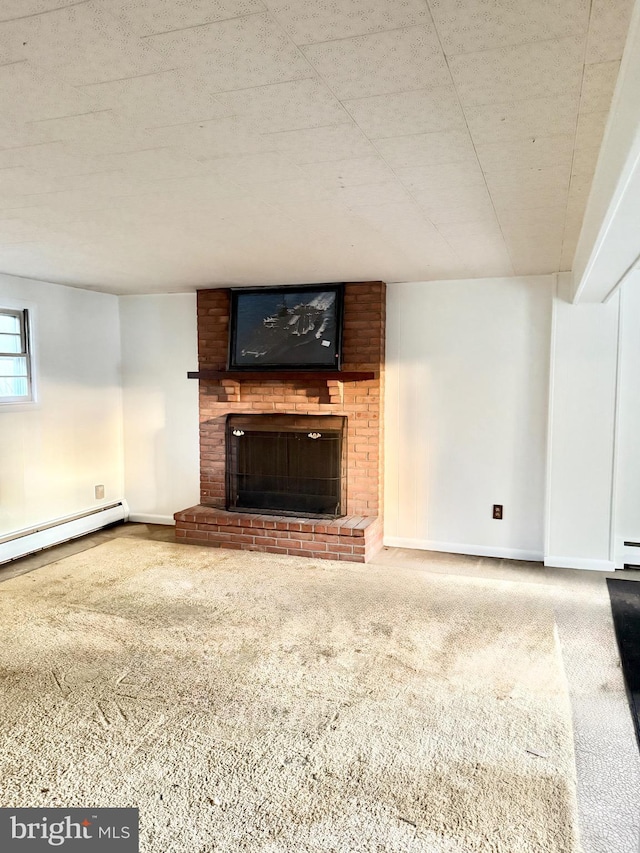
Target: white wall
53,452
466,414
161,441
628,443
582,432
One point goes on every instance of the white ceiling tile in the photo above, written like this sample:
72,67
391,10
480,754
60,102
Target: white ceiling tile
15,242
485,254
541,233
18,180
519,221
205,187
421,111
570,242
451,196
455,204
458,232
442,176
591,127
145,173
286,106
509,198
81,44
529,152
476,270
321,144
254,168
138,140
608,27
520,119
473,210
145,17
80,199
598,84
576,207
102,183
406,225
540,70
16,156
317,22
160,202
13,132
19,231
361,170
431,263
20,202
150,100
400,214
572,229
551,244
390,192
97,125
427,149
12,9
536,260
573,223
473,25
538,264
237,54
382,63
529,179
48,157
152,163
578,195
463,238
27,94
584,163
223,137
568,253
301,197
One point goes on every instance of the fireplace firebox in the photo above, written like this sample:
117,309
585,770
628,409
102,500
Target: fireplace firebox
286,465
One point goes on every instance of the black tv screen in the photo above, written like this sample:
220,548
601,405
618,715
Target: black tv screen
288,328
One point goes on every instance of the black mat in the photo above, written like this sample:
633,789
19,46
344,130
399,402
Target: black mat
625,607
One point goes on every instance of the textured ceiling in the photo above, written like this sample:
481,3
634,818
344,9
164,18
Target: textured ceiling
154,145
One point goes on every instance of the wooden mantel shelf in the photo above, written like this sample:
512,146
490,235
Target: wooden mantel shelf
240,375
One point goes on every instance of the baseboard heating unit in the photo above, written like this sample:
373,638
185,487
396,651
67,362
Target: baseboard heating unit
629,566
32,539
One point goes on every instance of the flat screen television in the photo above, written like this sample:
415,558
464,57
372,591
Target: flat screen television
286,328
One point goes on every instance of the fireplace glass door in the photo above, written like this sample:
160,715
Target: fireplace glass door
286,464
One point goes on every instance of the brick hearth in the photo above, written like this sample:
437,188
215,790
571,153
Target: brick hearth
352,538
358,535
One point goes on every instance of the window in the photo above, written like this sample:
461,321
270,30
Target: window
15,358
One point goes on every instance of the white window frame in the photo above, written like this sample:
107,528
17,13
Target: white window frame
25,337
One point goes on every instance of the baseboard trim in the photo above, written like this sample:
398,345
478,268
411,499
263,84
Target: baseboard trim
580,563
60,530
469,550
149,518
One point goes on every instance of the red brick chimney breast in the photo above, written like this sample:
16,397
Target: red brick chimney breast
358,535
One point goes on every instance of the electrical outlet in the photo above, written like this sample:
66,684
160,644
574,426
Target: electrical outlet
497,512
99,493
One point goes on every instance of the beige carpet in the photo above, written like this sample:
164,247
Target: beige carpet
249,702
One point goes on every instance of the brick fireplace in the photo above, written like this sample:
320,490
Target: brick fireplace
357,534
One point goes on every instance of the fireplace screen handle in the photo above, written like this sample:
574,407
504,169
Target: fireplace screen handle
315,434
238,432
